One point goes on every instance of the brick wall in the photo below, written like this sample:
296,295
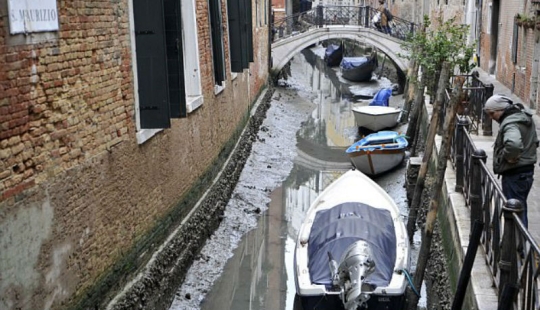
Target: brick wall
77,192
515,76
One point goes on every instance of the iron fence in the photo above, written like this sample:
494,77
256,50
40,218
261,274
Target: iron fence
512,254
475,94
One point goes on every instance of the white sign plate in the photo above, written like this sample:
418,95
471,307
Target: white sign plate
32,16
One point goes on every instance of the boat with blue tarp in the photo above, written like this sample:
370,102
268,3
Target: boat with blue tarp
359,69
352,251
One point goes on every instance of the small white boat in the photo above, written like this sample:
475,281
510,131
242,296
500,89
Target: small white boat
352,250
378,152
376,118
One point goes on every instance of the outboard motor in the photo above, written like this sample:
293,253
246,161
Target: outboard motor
355,264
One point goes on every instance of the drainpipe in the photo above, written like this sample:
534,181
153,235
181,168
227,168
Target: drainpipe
478,28
270,34
513,82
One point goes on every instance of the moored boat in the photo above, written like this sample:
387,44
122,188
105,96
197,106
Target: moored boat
359,69
378,152
352,250
333,55
376,118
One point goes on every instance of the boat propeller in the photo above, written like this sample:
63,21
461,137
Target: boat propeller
355,264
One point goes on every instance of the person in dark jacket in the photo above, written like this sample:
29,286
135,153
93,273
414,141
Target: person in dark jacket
514,151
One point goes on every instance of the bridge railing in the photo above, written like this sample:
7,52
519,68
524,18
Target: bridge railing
324,16
512,254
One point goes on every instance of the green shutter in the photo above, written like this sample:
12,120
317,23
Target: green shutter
217,41
249,22
175,57
515,43
151,64
235,35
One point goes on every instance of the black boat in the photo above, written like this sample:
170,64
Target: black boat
359,69
333,55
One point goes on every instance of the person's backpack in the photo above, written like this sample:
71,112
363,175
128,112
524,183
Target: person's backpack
389,15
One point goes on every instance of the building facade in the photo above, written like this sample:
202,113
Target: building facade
111,114
506,35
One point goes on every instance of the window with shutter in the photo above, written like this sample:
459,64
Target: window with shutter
515,43
218,56
249,30
175,58
235,35
151,64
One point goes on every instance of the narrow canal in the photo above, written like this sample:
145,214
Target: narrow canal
248,263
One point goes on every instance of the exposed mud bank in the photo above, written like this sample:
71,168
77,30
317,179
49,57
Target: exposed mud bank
157,284
438,287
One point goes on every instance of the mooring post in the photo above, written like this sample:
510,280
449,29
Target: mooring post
468,262
475,185
486,120
459,150
508,248
507,298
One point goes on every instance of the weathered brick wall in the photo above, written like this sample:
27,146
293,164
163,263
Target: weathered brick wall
515,76
77,192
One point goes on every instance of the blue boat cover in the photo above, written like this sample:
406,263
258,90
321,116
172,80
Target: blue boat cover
379,140
335,229
382,97
353,62
330,49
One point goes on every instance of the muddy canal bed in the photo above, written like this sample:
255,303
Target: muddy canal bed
299,150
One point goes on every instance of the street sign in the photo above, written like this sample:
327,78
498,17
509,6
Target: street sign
32,16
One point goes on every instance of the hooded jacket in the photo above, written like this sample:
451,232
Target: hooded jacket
515,146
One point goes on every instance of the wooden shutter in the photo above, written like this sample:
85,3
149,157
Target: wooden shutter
515,43
175,58
217,41
235,35
249,24
151,64
244,32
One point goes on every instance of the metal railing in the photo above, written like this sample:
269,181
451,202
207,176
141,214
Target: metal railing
475,95
512,254
321,16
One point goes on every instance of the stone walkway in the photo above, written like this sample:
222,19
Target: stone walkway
486,143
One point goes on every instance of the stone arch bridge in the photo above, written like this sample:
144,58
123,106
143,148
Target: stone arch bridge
294,33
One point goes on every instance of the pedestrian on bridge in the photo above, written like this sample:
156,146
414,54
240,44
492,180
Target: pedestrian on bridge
383,25
514,151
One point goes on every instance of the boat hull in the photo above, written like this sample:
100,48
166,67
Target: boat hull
376,302
376,118
377,161
378,152
333,55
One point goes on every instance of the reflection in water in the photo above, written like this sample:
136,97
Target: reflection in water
260,274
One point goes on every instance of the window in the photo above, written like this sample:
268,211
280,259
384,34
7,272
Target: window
240,34
161,31
523,50
218,54
192,72
515,43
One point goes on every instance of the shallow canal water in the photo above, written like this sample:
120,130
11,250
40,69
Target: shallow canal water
248,263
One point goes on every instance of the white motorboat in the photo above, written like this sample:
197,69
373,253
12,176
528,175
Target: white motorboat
352,250
378,152
376,118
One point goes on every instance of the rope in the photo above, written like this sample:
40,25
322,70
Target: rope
410,282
